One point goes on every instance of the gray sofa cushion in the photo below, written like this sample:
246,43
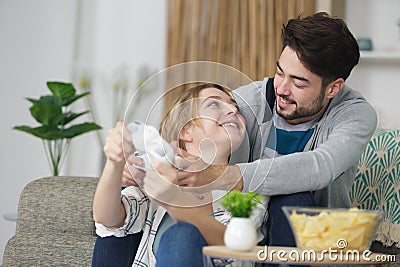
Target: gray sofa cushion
55,224
49,250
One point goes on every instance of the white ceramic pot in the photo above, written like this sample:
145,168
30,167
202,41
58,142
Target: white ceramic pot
240,234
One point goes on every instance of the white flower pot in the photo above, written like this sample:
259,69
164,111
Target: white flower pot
240,234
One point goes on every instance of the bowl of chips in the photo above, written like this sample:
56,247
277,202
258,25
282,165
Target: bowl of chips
323,228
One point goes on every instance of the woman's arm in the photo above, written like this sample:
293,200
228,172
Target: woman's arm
107,206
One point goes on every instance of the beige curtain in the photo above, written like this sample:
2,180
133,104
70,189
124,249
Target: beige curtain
244,34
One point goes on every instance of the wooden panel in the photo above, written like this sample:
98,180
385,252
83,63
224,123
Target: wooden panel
244,34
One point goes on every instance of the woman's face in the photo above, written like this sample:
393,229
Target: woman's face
221,129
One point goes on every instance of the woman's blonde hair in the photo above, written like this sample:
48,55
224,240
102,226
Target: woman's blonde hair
184,111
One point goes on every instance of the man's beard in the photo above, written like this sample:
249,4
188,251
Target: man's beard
305,112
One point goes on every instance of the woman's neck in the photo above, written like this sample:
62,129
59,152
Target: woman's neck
212,158
209,155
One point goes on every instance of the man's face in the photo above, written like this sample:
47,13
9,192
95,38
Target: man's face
299,96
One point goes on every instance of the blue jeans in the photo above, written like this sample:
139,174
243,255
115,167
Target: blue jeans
115,251
277,230
181,245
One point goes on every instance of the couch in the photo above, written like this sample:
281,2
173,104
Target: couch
55,223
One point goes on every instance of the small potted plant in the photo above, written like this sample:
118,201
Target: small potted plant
240,233
54,115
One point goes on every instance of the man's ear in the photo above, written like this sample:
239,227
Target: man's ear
186,133
334,87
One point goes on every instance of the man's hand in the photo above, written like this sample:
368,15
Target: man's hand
161,185
203,177
190,167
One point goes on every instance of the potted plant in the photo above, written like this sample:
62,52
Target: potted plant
54,114
240,233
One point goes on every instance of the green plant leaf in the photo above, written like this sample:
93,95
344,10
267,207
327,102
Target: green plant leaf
47,114
42,132
70,116
47,99
61,90
240,204
69,100
81,129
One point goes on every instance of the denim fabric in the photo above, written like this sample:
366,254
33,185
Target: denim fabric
165,223
278,231
181,245
115,251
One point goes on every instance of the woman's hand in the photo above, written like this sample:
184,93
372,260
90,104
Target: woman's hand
133,176
119,150
118,144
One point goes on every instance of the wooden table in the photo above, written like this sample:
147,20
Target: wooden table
289,255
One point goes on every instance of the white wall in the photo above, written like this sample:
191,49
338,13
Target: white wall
45,40
378,80
36,45
123,32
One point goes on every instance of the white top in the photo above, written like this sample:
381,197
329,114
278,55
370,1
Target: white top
143,214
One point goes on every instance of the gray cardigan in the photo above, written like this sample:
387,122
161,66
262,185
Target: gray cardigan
328,163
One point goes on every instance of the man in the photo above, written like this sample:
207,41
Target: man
306,150
316,131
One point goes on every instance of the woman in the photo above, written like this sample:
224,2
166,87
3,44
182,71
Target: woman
206,123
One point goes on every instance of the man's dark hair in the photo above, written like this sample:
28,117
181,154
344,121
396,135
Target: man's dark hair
323,44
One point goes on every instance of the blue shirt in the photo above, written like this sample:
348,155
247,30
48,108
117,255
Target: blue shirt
286,138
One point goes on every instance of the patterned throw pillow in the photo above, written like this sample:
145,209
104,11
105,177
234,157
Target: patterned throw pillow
377,183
